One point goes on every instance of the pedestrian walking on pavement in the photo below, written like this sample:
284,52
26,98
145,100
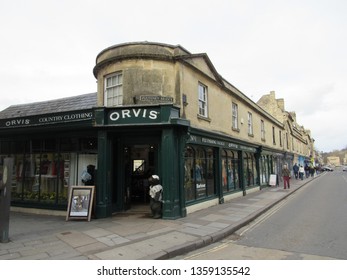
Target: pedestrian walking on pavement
301,172
296,171
286,176
307,170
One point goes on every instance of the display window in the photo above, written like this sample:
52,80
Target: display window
249,170
264,170
44,170
199,173
188,174
230,171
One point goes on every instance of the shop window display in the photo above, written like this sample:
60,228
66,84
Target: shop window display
188,174
42,175
250,170
230,171
247,170
199,173
264,170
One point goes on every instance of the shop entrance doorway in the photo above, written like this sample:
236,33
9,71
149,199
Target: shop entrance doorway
140,164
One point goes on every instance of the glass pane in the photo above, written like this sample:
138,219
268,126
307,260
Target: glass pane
29,174
199,173
224,174
188,174
210,172
114,80
49,168
17,184
108,82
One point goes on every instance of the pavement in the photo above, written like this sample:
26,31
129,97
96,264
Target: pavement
133,235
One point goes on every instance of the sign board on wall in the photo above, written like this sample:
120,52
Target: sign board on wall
48,119
273,180
153,99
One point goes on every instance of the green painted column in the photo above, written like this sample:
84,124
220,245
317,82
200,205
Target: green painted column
169,169
182,141
241,172
257,157
218,171
103,191
5,199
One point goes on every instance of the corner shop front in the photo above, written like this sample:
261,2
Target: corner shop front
127,145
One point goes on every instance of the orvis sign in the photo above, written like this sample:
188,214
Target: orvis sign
66,117
134,116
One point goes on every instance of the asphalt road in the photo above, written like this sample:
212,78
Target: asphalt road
310,224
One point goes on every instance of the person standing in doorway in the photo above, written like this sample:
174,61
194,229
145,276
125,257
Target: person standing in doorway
286,176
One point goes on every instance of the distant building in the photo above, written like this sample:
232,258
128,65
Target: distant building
294,138
332,160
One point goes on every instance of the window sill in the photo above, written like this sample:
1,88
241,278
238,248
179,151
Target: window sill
235,129
204,118
251,135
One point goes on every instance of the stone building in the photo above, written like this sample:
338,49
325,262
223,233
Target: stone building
333,160
296,140
159,109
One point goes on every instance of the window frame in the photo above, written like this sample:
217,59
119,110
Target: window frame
235,116
250,123
262,130
273,136
110,101
203,100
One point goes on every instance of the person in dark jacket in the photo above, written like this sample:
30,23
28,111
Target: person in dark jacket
296,171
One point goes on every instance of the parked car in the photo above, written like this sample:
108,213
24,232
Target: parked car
327,168
344,168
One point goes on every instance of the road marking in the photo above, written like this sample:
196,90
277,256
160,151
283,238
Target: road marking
251,225
265,216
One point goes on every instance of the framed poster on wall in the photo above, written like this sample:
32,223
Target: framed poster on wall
80,203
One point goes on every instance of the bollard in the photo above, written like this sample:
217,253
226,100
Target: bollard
5,198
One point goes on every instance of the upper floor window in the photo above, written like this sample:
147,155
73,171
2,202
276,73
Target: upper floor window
262,130
235,113
287,141
114,90
250,124
203,100
280,136
273,136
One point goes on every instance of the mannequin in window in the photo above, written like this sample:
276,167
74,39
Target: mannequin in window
156,195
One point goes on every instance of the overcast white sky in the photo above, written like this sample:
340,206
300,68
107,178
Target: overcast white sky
296,48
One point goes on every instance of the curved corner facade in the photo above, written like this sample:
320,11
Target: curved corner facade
158,110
